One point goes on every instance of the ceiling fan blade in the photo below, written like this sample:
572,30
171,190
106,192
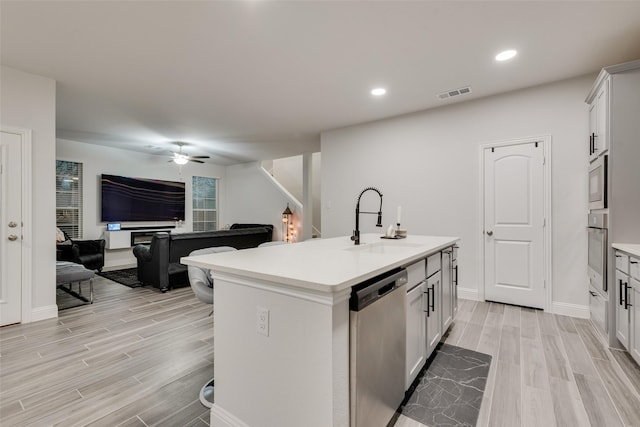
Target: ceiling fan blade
196,161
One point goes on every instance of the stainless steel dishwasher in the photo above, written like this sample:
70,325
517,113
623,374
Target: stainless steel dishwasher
377,348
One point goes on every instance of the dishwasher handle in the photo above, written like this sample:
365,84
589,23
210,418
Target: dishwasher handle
370,291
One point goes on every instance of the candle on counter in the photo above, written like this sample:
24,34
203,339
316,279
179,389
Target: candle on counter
399,214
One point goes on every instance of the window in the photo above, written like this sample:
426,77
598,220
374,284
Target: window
69,198
205,203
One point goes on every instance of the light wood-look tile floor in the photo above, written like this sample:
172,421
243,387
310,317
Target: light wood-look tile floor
136,357
547,370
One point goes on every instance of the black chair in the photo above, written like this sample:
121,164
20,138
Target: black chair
89,253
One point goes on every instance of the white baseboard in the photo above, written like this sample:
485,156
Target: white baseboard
468,293
573,310
43,313
220,417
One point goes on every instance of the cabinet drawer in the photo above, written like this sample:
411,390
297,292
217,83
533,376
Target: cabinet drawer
433,264
622,262
416,274
634,268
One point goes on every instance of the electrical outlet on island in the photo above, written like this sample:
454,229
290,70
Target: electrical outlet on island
262,324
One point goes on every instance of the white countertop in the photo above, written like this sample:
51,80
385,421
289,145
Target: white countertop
328,265
628,248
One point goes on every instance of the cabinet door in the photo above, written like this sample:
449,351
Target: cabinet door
593,128
634,332
622,311
447,291
416,333
434,321
602,100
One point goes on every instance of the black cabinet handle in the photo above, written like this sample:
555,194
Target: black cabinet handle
626,296
593,294
455,277
428,289
633,262
620,299
433,298
595,147
590,145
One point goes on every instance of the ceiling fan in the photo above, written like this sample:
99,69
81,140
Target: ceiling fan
181,158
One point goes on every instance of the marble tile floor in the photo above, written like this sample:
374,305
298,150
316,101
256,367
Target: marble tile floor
449,392
137,357
547,370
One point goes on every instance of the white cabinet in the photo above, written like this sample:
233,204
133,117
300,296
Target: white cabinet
627,291
431,306
416,321
598,116
416,332
447,289
634,322
622,308
433,294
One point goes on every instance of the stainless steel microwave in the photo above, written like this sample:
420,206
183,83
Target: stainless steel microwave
598,183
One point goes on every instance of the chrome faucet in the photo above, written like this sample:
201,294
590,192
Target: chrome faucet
356,233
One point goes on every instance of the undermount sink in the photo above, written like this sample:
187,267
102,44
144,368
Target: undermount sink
384,247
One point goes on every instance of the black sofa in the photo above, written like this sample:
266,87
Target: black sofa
159,263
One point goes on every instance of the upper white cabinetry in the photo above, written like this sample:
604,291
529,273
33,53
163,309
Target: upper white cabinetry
598,121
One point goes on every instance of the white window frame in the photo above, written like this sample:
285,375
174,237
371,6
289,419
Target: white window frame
72,199
198,215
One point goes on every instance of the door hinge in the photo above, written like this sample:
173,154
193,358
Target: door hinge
544,160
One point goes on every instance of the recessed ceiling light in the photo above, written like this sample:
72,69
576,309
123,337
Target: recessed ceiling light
505,55
379,91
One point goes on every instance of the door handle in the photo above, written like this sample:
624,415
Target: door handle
490,233
12,237
13,224
626,296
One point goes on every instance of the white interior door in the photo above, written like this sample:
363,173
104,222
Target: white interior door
10,228
513,224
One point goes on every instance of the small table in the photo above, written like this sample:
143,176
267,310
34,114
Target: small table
68,273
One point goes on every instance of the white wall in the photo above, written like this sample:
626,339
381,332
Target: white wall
29,101
252,197
289,172
97,159
428,163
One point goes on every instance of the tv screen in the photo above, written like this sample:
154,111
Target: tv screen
139,199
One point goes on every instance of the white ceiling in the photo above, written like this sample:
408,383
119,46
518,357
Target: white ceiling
251,80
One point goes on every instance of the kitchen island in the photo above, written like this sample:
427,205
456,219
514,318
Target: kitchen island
281,325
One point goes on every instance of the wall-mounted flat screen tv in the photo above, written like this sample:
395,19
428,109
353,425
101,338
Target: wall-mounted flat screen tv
139,199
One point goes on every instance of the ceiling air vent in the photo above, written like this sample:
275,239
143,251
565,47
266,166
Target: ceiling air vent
454,92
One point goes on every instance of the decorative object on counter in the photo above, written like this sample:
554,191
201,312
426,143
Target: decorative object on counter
449,391
356,233
288,230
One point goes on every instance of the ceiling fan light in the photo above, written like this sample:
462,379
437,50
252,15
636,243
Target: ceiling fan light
180,159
